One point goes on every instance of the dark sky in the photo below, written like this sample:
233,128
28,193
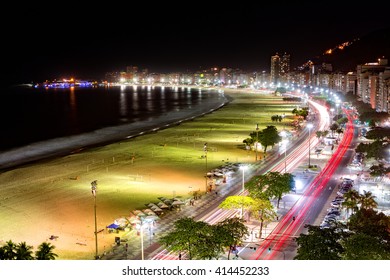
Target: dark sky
48,42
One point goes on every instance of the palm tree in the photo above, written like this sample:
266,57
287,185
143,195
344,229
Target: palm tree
9,251
333,128
367,201
2,253
351,201
24,251
45,252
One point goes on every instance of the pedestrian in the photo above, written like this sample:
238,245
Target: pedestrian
216,193
179,256
127,246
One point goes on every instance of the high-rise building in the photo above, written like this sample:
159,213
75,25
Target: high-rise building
285,65
367,78
275,68
280,68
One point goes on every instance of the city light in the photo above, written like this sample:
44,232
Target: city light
243,168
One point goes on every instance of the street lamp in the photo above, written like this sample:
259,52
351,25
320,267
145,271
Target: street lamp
309,126
148,220
94,190
243,168
337,106
257,139
205,156
141,228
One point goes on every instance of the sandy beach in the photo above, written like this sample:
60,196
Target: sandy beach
52,196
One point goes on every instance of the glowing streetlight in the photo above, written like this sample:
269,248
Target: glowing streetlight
337,106
140,226
243,168
309,126
147,220
94,190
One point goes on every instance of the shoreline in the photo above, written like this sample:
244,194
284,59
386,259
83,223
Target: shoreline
62,146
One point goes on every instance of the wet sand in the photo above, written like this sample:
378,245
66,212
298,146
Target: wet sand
65,145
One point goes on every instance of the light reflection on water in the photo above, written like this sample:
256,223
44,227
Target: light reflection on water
29,115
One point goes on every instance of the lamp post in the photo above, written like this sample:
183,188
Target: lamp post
243,168
141,228
257,139
309,126
331,113
94,189
147,220
205,155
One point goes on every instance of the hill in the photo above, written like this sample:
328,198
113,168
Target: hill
367,48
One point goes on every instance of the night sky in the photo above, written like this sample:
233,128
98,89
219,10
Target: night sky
49,42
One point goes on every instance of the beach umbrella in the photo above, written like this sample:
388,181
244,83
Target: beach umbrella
162,205
177,202
156,209
149,212
139,213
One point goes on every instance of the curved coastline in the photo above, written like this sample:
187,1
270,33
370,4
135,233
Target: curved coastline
70,144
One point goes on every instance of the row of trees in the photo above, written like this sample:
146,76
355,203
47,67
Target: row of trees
277,118
199,240
22,251
366,236
377,149
301,112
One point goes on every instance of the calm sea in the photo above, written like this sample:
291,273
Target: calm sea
30,115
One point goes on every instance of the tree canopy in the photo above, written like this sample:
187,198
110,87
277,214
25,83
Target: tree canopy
320,244
269,136
202,241
238,202
271,185
23,251
366,238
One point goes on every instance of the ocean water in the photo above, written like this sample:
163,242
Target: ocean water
39,122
